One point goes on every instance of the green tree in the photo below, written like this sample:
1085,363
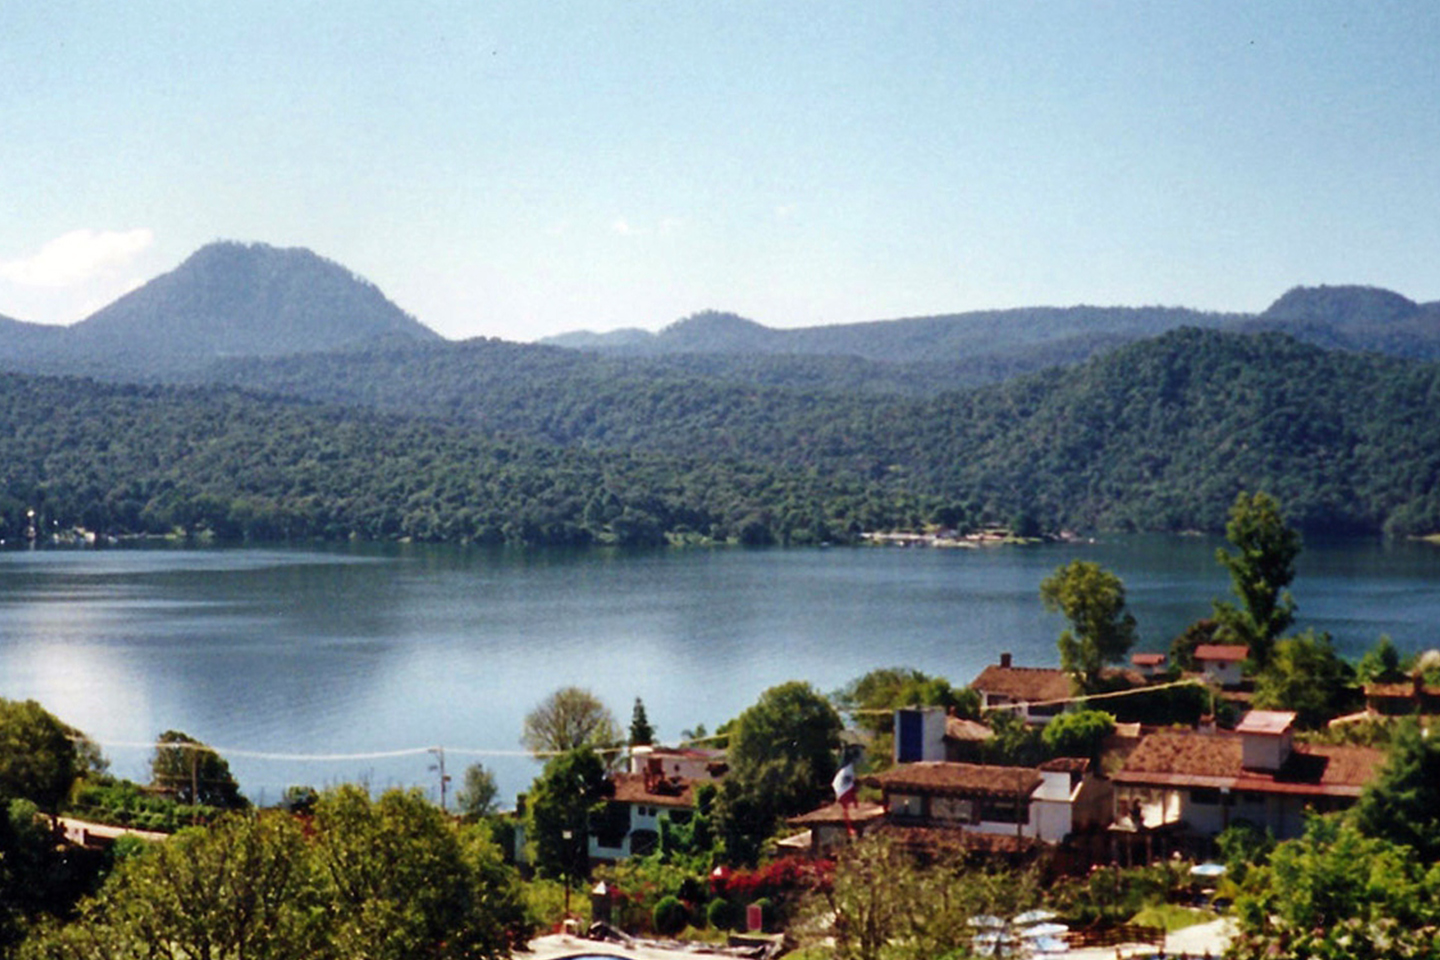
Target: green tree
1381,663
1101,629
563,799
568,719
477,792
403,881
193,773
1336,892
871,700
783,756
1260,569
1304,674
38,759
641,732
239,888
1078,734
1402,804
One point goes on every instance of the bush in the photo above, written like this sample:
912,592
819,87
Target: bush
670,916
722,914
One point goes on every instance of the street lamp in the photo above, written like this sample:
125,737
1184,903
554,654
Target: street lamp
567,835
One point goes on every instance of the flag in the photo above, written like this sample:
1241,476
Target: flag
845,787
844,784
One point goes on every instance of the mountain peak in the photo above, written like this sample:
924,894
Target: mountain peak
1343,305
230,298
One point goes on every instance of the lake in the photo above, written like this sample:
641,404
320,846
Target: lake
324,664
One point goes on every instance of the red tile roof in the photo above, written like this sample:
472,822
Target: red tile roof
967,731
1031,684
965,779
1233,653
1147,659
672,792
1185,758
833,813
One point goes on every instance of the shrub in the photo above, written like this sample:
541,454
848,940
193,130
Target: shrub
670,916
722,914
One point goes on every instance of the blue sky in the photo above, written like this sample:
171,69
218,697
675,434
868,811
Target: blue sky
521,169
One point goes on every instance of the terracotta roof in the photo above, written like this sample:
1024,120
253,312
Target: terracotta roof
1403,691
832,813
1147,659
1066,765
967,779
1233,653
671,792
1269,723
1024,683
1185,758
967,731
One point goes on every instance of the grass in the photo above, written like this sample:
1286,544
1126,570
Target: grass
1171,917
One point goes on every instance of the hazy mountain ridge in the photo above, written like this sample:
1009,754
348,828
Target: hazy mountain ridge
226,299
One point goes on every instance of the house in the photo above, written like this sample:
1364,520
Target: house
933,733
1197,783
634,809
1149,665
1022,802
688,763
825,830
1221,663
1401,699
1031,692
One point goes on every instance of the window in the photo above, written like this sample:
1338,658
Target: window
1205,796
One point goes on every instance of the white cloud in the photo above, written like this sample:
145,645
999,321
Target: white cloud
623,228
76,257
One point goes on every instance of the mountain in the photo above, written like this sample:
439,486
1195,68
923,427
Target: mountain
1354,318
1069,332
227,299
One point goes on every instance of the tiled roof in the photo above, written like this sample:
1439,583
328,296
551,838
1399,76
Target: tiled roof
933,839
1230,652
1185,758
1024,683
672,792
966,779
1147,659
967,731
1066,764
832,813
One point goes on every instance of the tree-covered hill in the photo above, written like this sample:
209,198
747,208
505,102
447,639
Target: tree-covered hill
1157,435
134,459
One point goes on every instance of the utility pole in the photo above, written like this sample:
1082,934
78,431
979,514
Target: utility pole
440,766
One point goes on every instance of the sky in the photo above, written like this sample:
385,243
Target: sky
518,170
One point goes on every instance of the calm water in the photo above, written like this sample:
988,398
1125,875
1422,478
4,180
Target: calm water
333,653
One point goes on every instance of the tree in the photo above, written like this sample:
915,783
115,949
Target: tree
871,700
568,719
1402,804
1079,734
563,799
241,887
641,732
783,756
1335,892
476,798
402,881
1307,676
1381,663
1261,567
38,759
193,773
1101,629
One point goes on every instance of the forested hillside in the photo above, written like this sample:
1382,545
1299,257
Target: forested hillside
533,445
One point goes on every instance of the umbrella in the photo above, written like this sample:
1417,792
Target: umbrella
1035,916
987,921
1208,870
1045,930
1049,945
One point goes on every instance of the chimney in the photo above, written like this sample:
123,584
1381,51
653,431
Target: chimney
1005,660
